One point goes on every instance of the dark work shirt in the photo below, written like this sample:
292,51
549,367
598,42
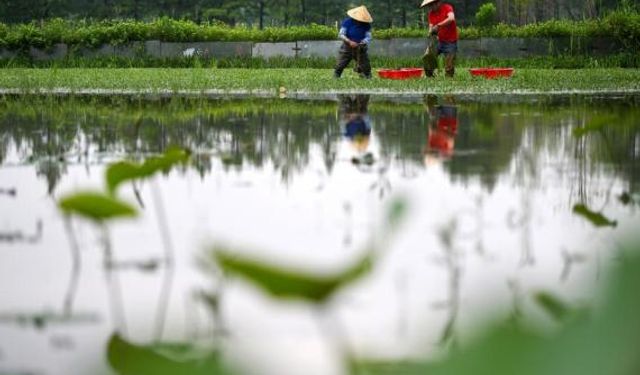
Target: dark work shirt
356,31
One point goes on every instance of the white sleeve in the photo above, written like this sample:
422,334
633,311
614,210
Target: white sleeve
343,33
367,38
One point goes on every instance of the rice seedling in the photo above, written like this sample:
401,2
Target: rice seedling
302,81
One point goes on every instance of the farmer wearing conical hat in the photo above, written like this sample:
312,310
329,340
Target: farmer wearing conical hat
355,32
442,22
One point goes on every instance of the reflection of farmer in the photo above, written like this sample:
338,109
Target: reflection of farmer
442,22
357,125
355,32
443,127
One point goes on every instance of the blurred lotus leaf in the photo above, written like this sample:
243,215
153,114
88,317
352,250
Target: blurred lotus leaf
95,206
124,171
287,283
605,343
553,305
292,284
397,211
595,218
130,359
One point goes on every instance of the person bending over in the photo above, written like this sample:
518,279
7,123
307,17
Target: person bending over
442,22
356,35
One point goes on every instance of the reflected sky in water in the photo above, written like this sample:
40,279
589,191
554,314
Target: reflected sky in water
492,185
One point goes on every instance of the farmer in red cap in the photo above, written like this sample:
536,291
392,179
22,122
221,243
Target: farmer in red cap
442,22
355,32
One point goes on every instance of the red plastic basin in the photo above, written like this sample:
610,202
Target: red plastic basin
404,73
491,72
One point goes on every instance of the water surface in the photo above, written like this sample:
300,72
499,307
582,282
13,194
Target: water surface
492,184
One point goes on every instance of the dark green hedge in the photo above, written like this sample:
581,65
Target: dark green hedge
624,26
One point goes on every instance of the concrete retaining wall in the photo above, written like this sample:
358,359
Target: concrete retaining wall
528,47
494,47
56,52
319,48
216,50
268,50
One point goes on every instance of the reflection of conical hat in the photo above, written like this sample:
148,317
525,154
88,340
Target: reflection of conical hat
427,2
360,143
360,14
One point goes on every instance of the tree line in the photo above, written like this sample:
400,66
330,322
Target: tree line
266,13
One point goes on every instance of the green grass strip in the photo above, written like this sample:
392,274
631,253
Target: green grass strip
274,81
621,60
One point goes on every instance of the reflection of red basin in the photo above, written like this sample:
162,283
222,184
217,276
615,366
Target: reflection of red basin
404,73
491,72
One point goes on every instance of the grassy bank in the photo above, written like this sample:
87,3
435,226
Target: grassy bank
273,81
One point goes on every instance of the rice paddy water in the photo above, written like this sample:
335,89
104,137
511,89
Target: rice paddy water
505,197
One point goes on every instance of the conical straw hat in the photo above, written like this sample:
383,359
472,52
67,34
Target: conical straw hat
360,14
427,2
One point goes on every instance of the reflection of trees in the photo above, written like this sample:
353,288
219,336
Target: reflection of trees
485,143
400,133
52,132
593,141
613,146
38,138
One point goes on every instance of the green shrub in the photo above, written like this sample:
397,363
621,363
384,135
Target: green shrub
487,15
622,25
4,30
399,33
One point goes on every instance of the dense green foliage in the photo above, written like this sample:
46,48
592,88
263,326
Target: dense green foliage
93,34
487,15
624,26
264,13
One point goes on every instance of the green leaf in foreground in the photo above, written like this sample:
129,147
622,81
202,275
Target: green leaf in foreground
130,359
598,344
290,284
168,160
595,218
121,172
396,213
95,206
552,305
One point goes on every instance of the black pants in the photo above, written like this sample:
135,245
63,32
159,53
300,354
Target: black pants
360,54
354,103
430,59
